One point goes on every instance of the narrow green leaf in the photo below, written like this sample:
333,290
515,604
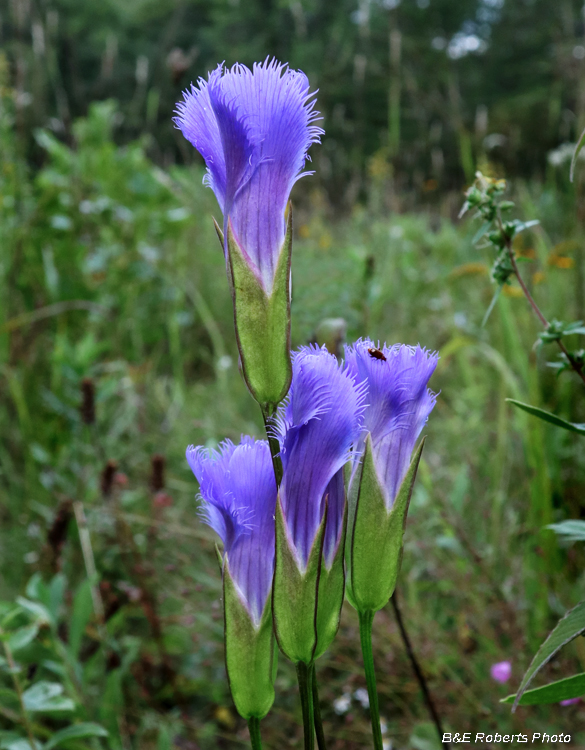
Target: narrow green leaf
554,692
219,232
56,593
46,696
572,625
38,611
219,556
15,741
35,588
80,617
572,530
520,226
578,147
491,306
23,636
480,232
546,416
109,708
76,732
20,744
164,740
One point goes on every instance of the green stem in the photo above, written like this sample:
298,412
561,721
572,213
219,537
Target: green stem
366,619
273,443
254,729
18,688
304,676
317,712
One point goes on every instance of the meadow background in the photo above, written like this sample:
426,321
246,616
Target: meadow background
110,269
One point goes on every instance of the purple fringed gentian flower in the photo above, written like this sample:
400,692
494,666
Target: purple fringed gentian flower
238,492
316,428
253,128
399,404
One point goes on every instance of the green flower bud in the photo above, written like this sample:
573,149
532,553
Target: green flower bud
374,539
250,653
330,597
262,322
295,594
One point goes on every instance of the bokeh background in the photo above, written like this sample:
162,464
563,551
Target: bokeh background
110,269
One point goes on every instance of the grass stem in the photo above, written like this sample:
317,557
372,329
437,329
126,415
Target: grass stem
254,729
366,619
18,688
418,672
273,443
317,711
304,676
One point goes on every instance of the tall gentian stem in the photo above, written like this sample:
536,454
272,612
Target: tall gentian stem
267,415
316,426
254,729
317,712
366,619
418,672
399,404
308,694
304,676
254,129
238,494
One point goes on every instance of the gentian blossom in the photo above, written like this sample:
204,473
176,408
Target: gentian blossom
253,129
316,427
399,404
238,493
501,672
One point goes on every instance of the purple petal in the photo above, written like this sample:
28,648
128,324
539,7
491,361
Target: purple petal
335,496
399,404
196,120
316,428
238,493
253,128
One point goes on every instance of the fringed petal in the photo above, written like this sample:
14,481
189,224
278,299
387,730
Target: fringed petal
238,493
335,498
253,128
317,426
399,404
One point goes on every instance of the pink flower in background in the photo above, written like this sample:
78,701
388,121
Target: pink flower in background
569,702
501,672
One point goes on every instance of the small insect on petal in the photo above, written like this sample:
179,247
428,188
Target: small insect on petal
377,354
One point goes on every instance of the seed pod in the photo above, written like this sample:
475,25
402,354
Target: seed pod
87,408
108,475
157,477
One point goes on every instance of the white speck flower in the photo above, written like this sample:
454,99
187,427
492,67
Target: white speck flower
341,705
361,695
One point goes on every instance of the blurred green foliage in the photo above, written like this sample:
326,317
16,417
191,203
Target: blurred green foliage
110,269
415,94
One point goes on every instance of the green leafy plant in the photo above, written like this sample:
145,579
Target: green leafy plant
40,674
485,199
